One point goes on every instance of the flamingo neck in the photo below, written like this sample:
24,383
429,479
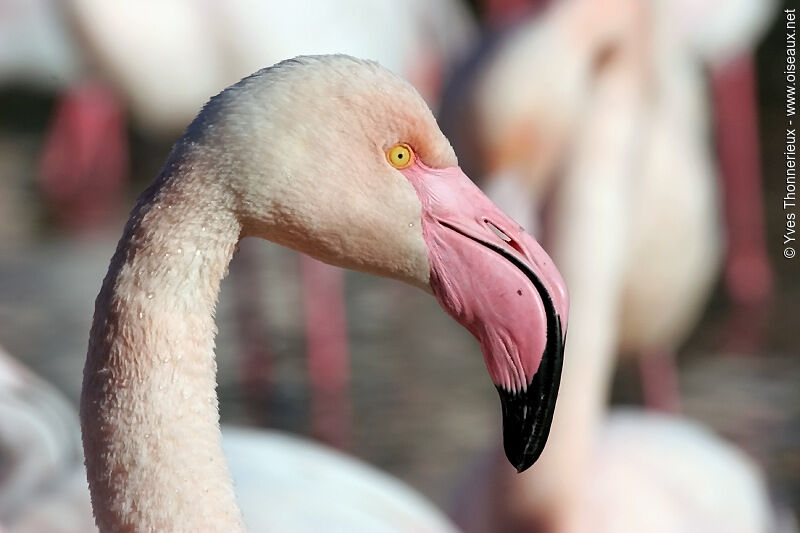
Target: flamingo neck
149,410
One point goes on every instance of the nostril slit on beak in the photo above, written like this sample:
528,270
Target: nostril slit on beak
504,236
497,231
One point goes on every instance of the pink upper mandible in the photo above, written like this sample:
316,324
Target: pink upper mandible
503,285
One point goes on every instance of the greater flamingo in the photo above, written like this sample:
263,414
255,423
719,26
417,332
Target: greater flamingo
334,157
615,132
723,33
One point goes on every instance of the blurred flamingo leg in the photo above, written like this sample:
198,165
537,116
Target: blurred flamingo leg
658,372
84,162
500,13
328,354
251,319
748,277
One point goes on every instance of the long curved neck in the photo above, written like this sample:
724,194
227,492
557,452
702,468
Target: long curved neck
591,246
149,411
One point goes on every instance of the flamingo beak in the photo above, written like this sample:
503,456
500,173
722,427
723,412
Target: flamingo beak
494,279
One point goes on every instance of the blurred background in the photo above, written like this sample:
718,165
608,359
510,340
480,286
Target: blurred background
92,95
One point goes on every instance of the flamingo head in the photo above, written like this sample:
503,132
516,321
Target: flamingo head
340,159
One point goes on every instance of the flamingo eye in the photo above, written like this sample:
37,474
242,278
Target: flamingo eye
400,156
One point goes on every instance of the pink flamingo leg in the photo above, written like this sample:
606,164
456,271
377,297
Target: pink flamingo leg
748,276
501,13
84,161
251,320
659,377
328,355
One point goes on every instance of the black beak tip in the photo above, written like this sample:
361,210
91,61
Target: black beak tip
525,426
527,414
523,462
524,465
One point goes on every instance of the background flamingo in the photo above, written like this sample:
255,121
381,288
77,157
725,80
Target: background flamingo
639,252
725,43
84,159
44,443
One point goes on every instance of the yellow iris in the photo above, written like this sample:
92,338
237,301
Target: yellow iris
400,155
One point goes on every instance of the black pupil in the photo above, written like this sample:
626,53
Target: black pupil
399,156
